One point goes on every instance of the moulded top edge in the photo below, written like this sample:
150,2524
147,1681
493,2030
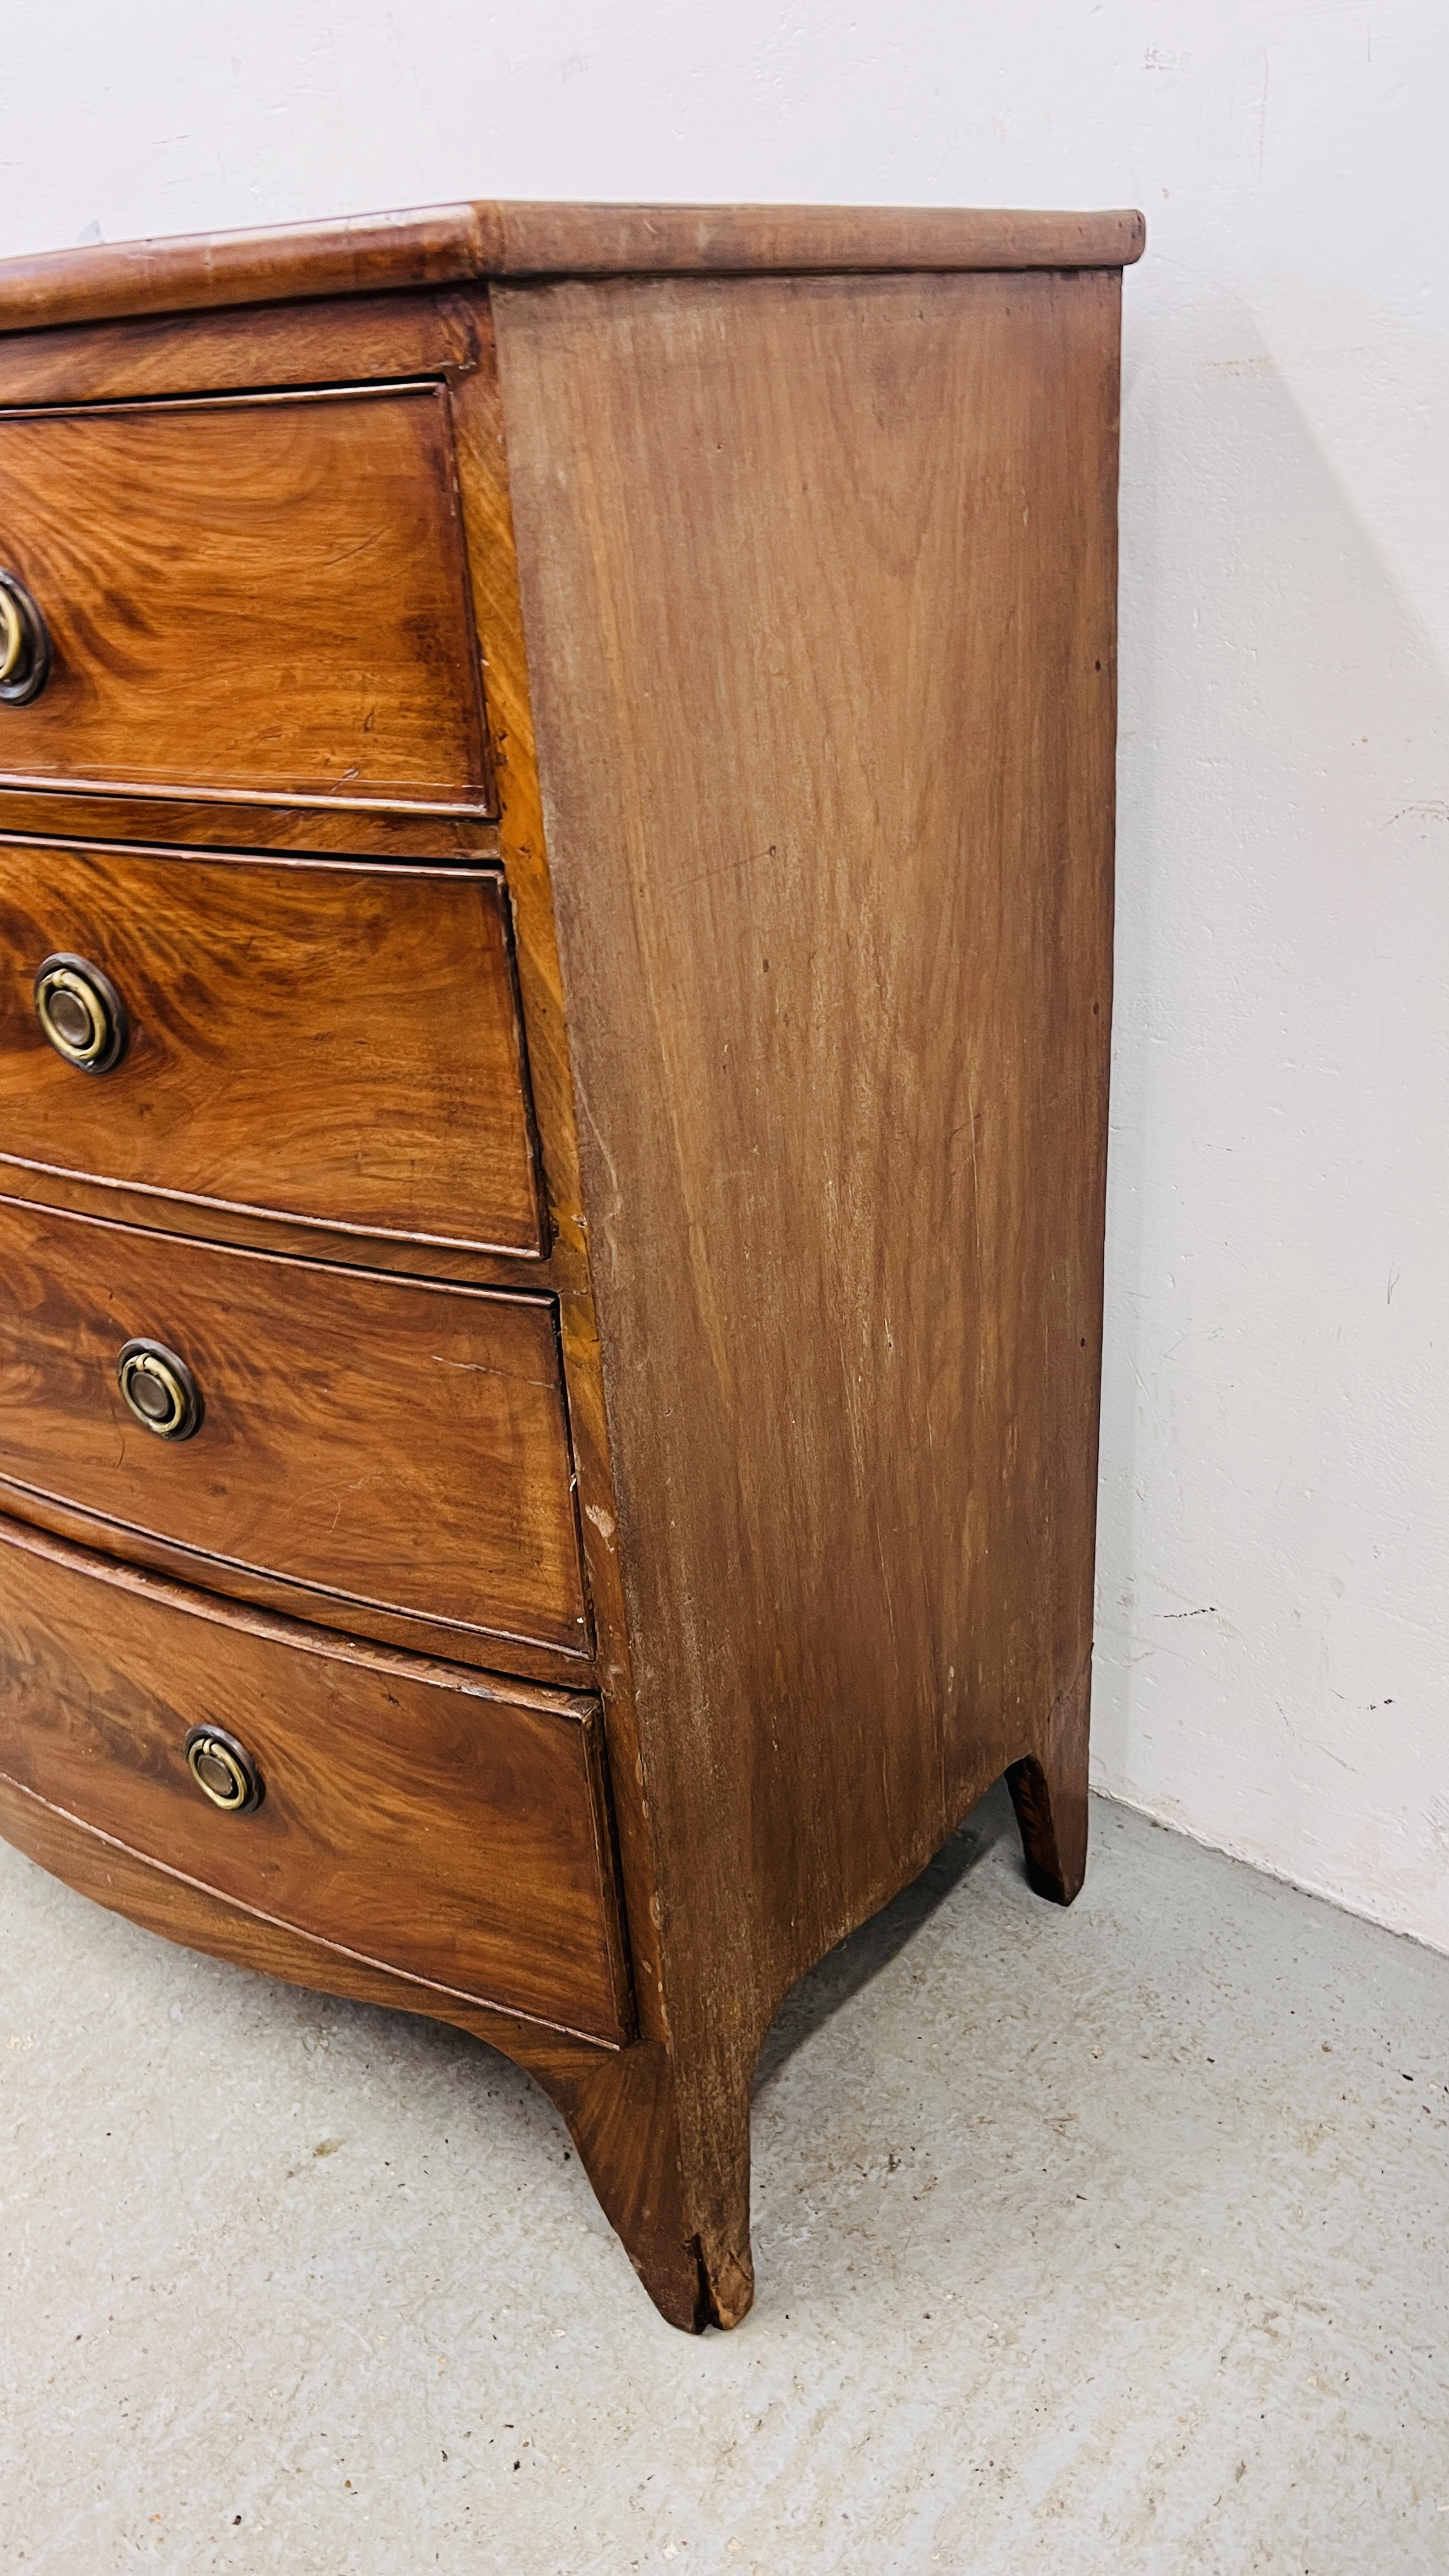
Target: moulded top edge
452,245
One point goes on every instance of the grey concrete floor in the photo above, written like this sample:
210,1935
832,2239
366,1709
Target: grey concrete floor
1113,2239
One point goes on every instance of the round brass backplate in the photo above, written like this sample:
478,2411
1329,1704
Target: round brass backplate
160,1389
223,1770
81,1013
24,644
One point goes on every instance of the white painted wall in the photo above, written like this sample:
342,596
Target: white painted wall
1273,1672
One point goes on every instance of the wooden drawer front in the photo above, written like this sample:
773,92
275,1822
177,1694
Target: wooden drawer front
263,595
399,1449
331,1043
422,1817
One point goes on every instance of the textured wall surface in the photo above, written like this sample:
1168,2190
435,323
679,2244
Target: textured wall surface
1272,1666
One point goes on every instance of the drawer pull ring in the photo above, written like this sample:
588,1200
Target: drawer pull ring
24,644
81,1013
160,1390
223,1770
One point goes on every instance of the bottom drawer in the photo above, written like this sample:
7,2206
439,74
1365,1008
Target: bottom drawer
418,1816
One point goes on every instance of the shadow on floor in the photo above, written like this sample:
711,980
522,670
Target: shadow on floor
844,1971
852,1964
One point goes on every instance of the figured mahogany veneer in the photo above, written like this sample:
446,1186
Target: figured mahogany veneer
247,598
583,739
395,1449
450,1827
336,1045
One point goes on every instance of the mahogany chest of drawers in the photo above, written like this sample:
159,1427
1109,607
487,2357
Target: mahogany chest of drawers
556,779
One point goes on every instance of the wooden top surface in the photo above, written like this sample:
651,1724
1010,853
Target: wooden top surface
450,245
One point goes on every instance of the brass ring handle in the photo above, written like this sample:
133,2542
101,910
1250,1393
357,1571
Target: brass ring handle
160,1390
12,636
81,1012
25,651
223,1770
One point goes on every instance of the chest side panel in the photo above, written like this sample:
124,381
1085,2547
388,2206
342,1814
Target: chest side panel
819,583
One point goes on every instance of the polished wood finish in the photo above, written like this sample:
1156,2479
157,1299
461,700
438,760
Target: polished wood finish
397,1450
333,1044
498,611
450,245
114,1204
368,339
850,1295
428,1820
70,814
786,540
247,597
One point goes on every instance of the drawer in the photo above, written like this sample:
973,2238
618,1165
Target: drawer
420,1817
260,596
331,1043
398,1449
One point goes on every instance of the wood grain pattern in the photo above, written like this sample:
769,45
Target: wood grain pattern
443,245
816,703
69,814
307,1039
840,1045
421,1818
247,598
114,1204
399,1448
362,339
498,617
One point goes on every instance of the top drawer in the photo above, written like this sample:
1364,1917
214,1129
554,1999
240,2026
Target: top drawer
263,596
